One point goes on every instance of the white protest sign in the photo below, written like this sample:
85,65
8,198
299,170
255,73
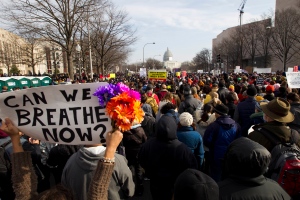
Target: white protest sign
65,114
262,70
293,79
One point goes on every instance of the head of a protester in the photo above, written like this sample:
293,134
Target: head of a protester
246,158
293,97
149,88
206,89
166,128
193,90
231,88
147,109
55,193
187,90
270,89
251,91
221,110
230,97
185,119
258,103
221,83
193,184
277,110
214,87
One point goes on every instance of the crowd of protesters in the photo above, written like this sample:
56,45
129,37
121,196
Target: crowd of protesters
197,141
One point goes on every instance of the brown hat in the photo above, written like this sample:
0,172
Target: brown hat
279,110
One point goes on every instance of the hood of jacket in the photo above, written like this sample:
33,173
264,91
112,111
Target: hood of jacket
166,128
194,184
87,160
225,121
246,158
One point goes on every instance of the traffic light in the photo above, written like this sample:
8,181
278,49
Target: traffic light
219,58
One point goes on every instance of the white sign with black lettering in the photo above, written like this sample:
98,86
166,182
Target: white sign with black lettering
65,114
293,79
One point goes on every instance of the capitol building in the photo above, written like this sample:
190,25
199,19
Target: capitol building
168,62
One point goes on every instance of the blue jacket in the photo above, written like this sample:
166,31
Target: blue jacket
193,140
217,138
243,112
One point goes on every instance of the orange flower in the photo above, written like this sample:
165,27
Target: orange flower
124,110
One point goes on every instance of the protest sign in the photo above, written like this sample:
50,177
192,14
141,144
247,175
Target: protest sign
262,70
259,81
112,76
178,74
65,114
157,75
293,79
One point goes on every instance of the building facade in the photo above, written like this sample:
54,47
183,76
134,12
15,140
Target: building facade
168,62
247,60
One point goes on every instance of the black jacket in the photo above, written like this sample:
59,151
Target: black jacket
133,140
164,158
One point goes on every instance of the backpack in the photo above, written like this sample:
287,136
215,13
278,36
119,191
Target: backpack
284,167
152,102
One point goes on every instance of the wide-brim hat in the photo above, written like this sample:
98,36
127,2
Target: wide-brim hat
279,110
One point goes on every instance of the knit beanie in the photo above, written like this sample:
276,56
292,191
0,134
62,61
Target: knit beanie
251,91
270,88
221,109
186,119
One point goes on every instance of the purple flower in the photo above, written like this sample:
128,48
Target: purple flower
121,87
135,94
105,93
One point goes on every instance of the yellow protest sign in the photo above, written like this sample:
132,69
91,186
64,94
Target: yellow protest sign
178,74
112,76
157,74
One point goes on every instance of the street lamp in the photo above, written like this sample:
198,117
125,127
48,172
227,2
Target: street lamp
78,49
144,51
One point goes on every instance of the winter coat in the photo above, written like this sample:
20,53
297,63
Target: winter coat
148,125
222,94
217,138
231,106
189,101
242,114
164,158
193,140
245,162
277,128
295,109
133,140
78,173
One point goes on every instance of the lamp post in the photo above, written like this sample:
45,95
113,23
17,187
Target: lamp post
144,51
78,49
153,61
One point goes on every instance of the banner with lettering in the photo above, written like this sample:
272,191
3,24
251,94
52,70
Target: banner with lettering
65,114
293,79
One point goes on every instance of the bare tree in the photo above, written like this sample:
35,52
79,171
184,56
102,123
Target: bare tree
111,36
250,41
285,37
152,63
203,59
33,52
53,20
264,34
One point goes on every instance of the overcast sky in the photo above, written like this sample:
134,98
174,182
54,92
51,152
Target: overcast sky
184,26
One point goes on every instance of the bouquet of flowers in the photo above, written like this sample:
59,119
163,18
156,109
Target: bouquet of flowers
123,105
